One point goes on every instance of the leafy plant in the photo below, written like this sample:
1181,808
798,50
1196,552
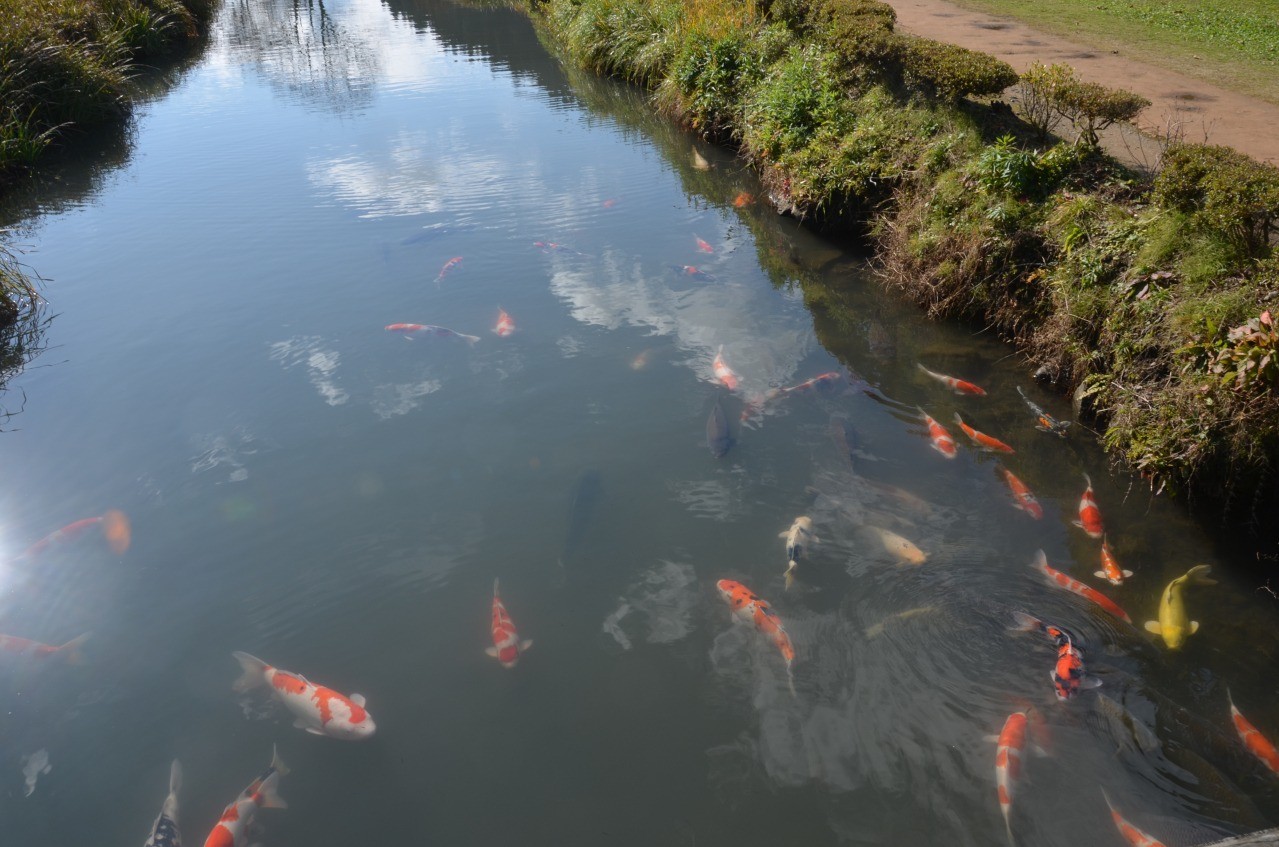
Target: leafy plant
1247,357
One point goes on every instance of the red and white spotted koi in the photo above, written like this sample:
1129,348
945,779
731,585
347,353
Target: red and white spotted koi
704,246
232,829
748,607
1010,744
318,710
1257,744
1131,834
1089,515
505,323
507,646
1022,497
1086,591
456,261
1069,676
959,386
1110,569
986,442
942,441
723,372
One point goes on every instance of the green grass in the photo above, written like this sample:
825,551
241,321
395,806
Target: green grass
1232,43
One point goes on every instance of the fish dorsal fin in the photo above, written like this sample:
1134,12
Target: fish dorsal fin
1153,626
1194,627
357,699
492,651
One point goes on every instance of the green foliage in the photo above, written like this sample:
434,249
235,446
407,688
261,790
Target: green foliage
632,40
952,72
1049,93
1224,191
1037,95
712,77
800,95
1004,167
1247,357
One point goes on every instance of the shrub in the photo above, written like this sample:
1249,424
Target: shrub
713,76
1053,92
1224,190
799,96
1248,357
1037,95
1004,167
952,72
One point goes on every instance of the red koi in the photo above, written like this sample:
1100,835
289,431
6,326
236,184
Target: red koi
1110,569
750,608
959,386
981,439
1009,746
704,246
448,266
1257,744
817,383
1131,834
942,442
723,372
1086,591
1089,515
507,646
1022,497
505,325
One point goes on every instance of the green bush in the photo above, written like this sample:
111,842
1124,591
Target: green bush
800,95
713,76
1225,192
952,72
1049,93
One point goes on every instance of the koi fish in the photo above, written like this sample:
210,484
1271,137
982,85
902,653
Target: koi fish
798,538
699,162
1257,744
641,360
34,766
742,200
942,442
456,261
411,331
609,203
901,549
1174,624
505,325
553,247
1068,674
1089,515
1131,834
1086,591
875,630
1009,746
750,608
113,523
1110,569
959,386
1043,420
693,271
723,372
165,832
1022,497
981,439
232,829
704,246
24,648
318,710
817,383
718,438
507,646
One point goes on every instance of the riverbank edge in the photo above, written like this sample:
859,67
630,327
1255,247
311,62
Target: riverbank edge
67,66
1144,297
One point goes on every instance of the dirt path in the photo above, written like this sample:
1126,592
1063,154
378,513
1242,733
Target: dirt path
1245,123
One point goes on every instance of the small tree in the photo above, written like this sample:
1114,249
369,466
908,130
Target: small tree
1091,107
1037,94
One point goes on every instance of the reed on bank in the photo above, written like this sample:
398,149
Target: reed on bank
1147,295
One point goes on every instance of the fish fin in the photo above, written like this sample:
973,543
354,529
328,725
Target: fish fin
1127,574
1194,627
175,778
1102,574
72,649
1087,481
471,339
816,540
298,723
1077,523
1153,626
526,644
269,790
358,699
991,739
1199,575
254,672
1040,751
1026,623
495,584
1090,682
783,533
315,731
492,651
277,764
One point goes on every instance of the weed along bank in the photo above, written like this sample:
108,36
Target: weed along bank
1147,297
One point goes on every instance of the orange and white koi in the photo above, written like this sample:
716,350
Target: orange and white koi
113,523
25,648
981,439
1110,569
1131,834
693,271
704,246
1022,497
817,383
1089,515
507,646
748,607
959,386
1043,420
505,324
318,710
723,372
455,262
411,331
942,441
609,203
232,829
1009,746
1257,744
1061,580
1068,674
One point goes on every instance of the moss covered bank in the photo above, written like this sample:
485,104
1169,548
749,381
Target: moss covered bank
1146,295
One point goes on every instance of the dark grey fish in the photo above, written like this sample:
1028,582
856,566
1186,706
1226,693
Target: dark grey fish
881,341
164,832
586,495
718,438
844,437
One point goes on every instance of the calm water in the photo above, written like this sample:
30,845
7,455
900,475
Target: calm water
310,488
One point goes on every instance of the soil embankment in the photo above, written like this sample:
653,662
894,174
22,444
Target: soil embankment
1199,110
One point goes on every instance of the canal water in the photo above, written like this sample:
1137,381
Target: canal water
336,498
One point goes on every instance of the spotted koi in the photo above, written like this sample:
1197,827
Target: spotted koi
942,441
1086,591
1257,744
959,386
1022,497
748,607
1089,515
981,439
1110,570
318,710
232,829
507,646
1131,834
723,372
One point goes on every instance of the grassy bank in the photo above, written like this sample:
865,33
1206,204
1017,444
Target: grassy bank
1232,43
1148,297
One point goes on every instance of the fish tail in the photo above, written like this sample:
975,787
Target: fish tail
790,680
277,764
253,667
1027,623
175,778
790,574
270,792
1198,575
71,650
1087,481
1008,827
498,579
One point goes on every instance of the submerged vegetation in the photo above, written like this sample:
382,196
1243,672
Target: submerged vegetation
1148,295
